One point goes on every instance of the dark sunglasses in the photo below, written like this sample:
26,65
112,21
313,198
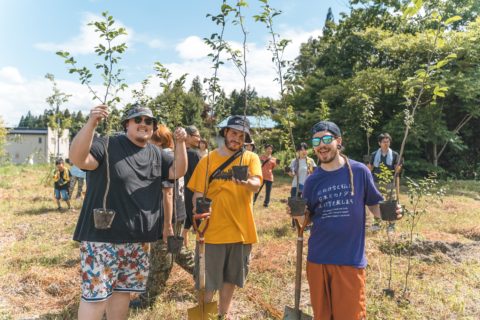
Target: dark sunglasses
325,139
138,120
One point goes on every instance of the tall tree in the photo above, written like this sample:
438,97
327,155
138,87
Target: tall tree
59,120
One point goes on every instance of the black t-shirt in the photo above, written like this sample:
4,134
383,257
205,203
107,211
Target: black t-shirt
136,176
193,159
178,196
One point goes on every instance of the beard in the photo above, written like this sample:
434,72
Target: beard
229,145
326,157
139,137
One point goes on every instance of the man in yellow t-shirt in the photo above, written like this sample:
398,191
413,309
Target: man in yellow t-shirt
231,231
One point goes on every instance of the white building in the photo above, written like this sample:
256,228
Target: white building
36,145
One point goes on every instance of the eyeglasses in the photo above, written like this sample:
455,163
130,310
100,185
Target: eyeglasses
148,121
325,139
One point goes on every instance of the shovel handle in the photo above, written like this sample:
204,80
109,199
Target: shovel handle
201,262
196,227
298,270
301,227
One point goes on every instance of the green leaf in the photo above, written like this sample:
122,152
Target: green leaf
441,63
452,20
452,56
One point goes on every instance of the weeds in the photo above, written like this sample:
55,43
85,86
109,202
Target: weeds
39,275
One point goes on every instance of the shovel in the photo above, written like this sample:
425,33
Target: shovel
203,311
295,313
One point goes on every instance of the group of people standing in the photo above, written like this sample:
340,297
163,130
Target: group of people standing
138,175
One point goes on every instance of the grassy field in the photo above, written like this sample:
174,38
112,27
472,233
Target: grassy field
39,264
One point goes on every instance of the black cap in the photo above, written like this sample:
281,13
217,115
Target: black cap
239,123
58,161
327,126
138,110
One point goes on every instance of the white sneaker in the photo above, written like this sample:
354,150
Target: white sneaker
374,228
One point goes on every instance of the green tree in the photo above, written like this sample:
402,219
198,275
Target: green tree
59,120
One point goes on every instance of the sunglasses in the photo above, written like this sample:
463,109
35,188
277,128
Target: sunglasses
325,139
138,120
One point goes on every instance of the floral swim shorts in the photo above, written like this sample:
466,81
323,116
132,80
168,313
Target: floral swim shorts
108,267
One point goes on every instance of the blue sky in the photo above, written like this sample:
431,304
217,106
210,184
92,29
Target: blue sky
167,31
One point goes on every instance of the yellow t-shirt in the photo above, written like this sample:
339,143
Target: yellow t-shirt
232,213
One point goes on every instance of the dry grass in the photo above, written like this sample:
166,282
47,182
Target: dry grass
39,269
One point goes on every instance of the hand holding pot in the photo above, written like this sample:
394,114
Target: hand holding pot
167,231
399,212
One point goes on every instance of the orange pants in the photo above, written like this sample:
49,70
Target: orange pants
337,292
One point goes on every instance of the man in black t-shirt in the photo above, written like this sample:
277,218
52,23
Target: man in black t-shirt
388,158
114,261
192,142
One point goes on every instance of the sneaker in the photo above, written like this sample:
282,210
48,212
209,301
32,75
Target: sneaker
265,205
391,228
375,228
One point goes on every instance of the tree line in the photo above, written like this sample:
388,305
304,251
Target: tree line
359,74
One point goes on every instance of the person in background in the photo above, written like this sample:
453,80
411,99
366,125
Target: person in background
250,146
161,262
192,142
61,183
388,158
268,164
77,176
300,169
202,148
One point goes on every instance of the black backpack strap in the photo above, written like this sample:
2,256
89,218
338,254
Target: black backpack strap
266,161
224,165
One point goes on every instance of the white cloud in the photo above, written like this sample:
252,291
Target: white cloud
10,75
19,95
155,43
192,48
17,98
86,40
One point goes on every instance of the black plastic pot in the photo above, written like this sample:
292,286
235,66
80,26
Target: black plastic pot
203,205
240,172
297,206
389,293
103,218
388,210
174,244
287,169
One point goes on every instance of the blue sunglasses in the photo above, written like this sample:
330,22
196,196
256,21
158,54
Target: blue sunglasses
325,139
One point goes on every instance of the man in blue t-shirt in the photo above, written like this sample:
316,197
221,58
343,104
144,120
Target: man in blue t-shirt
337,193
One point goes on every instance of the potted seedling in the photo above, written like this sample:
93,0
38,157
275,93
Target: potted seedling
239,59
110,54
171,109
277,47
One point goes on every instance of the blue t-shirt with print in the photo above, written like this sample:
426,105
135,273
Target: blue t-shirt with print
338,232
